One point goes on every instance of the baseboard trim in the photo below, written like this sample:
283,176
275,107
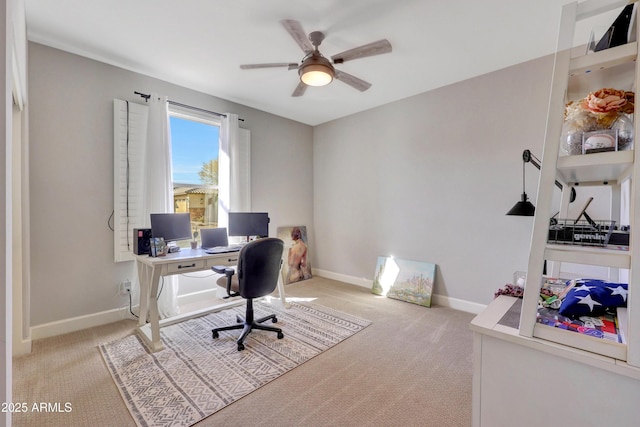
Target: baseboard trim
360,281
442,300
74,324
458,304
21,348
78,323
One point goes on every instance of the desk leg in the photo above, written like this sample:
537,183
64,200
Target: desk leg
145,284
149,278
283,298
154,316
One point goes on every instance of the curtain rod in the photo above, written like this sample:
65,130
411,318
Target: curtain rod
147,96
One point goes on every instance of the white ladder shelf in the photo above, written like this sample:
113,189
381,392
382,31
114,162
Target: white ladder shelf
610,168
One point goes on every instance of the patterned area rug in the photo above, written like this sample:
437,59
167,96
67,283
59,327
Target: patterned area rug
196,375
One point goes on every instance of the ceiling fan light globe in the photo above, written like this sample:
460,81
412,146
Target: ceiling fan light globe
316,70
316,75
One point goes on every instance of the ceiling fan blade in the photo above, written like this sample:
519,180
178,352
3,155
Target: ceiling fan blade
291,66
352,81
371,49
295,29
299,90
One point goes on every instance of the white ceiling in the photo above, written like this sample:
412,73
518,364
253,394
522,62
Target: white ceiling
200,44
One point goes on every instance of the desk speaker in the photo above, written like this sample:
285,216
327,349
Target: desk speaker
141,241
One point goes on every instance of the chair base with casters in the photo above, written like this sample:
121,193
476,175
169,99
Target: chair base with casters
256,276
248,323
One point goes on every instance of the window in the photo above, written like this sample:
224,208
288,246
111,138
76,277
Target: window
194,158
211,170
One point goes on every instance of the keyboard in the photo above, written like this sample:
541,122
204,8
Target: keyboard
223,249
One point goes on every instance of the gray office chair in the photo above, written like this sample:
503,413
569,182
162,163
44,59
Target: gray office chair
255,276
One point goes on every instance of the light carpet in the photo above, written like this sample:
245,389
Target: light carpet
195,375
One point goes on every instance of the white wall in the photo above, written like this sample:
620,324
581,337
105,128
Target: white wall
71,177
430,178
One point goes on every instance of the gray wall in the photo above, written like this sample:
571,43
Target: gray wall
430,178
71,177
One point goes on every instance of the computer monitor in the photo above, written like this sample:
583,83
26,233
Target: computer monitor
249,224
171,226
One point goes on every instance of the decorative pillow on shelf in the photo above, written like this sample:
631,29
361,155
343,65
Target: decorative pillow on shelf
590,297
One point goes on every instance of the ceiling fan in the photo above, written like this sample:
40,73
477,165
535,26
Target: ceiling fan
315,69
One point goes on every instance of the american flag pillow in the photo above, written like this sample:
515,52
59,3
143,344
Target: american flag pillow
591,297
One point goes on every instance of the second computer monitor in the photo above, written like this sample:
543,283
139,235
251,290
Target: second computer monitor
249,224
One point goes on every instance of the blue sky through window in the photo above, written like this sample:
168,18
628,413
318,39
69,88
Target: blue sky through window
192,144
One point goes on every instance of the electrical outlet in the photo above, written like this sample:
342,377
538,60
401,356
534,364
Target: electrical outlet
125,286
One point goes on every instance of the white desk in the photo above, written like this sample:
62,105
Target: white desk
150,270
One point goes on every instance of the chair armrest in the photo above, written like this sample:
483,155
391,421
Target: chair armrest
221,269
228,272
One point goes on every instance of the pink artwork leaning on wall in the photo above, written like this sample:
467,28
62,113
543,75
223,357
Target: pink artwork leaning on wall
296,266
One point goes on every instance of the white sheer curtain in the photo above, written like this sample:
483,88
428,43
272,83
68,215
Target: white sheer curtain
234,165
158,187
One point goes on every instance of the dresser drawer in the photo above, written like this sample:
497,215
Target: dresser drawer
185,266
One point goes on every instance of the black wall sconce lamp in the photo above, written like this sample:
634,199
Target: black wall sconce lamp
524,207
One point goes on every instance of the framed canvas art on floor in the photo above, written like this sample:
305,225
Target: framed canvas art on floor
410,281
